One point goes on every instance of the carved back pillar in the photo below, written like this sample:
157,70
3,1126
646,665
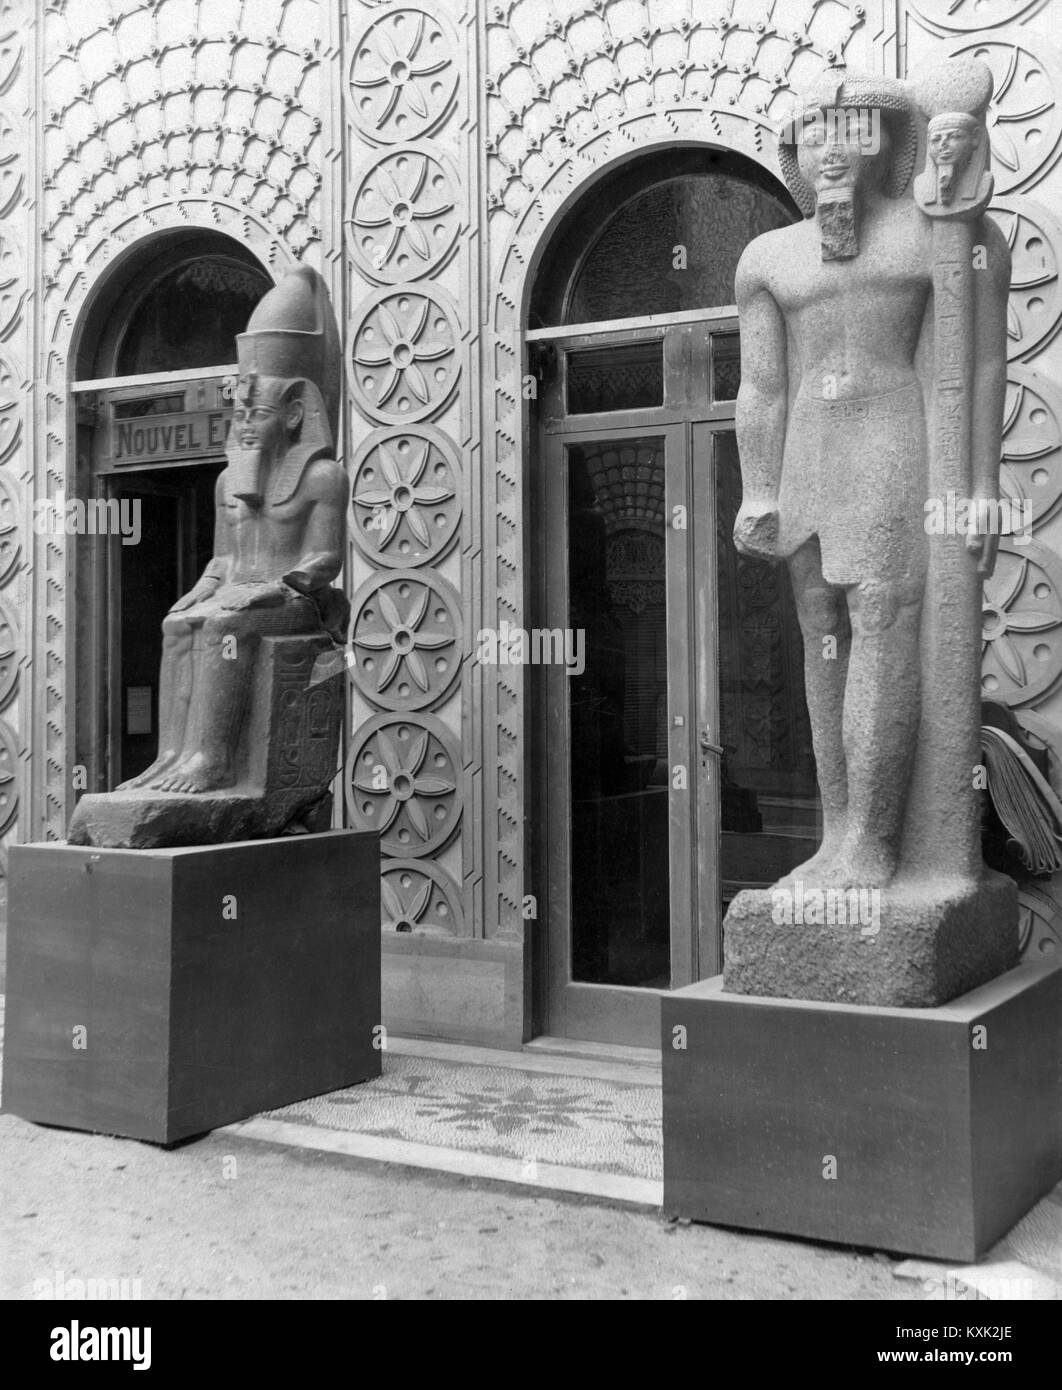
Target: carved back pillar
1021,661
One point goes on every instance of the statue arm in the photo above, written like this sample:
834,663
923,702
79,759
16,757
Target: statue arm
761,409
322,556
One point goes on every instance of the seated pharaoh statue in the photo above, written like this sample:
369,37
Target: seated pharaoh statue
248,728
873,347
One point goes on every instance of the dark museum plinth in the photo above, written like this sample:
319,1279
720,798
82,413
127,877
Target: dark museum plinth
942,1136
159,993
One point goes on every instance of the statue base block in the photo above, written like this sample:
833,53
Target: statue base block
913,945
150,820
155,994
923,1131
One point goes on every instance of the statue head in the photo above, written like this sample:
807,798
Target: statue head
953,139
849,136
287,392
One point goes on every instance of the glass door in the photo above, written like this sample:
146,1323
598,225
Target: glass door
619,723
675,763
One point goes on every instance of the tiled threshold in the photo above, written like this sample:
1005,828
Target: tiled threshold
589,1062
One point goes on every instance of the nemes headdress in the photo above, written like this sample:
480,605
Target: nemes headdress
292,336
841,89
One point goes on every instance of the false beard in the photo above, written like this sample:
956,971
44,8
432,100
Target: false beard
247,476
838,234
946,183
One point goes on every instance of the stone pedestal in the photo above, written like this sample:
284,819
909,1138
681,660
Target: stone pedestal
923,1131
911,945
156,994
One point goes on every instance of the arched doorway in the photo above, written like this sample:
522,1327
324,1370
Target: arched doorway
674,758
152,412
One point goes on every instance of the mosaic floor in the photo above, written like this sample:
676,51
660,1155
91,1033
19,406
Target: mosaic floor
572,1121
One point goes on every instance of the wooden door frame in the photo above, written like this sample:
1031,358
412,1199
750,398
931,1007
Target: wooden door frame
695,928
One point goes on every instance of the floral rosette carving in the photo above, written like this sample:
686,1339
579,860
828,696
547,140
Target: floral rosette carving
8,776
405,639
419,898
9,644
1035,302
1020,620
1024,118
405,354
403,75
10,410
10,542
406,497
405,219
402,782
1031,468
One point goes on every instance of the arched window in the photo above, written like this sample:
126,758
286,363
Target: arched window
190,316
173,303
662,244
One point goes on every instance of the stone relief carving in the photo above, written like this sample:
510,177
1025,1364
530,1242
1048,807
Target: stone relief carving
1031,471
407,496
402,780
1033,234
406,639
420,898
404,354
405,219
949,16
403,75
1021,614
1025,116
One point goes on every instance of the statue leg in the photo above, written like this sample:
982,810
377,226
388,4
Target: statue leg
224,674
824,624
224,670
175,685
881,717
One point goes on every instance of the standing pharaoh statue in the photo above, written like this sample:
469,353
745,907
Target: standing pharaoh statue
248,732
847,427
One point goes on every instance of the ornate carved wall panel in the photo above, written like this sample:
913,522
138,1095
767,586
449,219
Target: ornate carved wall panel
411,244
18,270
157,115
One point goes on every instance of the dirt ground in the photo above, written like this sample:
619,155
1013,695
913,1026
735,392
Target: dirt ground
220,1218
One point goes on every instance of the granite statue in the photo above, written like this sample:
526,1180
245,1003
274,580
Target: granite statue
873,339
250,703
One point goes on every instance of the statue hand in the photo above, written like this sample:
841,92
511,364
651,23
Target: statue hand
756,534
269,594
190,599
983,545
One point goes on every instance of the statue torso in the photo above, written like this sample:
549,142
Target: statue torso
269,540
852,325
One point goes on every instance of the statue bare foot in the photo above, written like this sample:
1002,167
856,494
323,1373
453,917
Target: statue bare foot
861,862
819,865
197,773
145,778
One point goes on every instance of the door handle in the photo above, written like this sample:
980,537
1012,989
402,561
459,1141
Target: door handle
705,740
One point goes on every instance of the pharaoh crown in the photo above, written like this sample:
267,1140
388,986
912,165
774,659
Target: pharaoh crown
292,335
